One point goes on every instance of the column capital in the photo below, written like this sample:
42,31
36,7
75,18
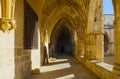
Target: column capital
7,24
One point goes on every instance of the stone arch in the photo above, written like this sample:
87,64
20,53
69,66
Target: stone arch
62,24
65,22
64,41
116,68
63,18
71,11
106,42
48,8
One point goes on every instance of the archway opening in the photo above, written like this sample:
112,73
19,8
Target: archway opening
109,31
106,44
63,43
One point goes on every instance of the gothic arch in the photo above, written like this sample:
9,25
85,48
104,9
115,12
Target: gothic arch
106,42
48,8
62,18
69,9
62,22
63,25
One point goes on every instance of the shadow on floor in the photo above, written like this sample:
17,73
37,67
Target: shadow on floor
65,67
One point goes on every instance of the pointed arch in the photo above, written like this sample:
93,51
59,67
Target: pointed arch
62,22
62,28
106,42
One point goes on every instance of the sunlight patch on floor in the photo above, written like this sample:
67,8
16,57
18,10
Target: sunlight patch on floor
55,67
105,65
71,76
59,60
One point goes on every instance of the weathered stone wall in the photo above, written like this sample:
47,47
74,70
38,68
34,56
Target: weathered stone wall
15,61
22,57
25,59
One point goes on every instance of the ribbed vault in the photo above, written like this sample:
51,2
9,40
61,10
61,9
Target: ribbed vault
73,10
62,36
62,22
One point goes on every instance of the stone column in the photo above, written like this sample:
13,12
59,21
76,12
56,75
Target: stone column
94,32
80,45
88,50
7,21
99,31
116,68
47,43
41,53
75,43
80,41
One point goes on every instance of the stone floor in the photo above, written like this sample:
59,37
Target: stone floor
65,67
109,59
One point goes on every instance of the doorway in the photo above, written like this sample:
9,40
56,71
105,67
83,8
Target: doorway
106,44
63,41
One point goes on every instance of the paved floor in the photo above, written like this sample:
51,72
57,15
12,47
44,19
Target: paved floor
65,67
109,59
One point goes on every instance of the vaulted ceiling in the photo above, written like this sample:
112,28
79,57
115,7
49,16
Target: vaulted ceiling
50,12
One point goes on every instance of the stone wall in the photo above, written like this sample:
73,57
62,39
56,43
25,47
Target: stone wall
25,59
15,61
22,57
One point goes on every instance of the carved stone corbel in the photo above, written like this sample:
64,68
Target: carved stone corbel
7,24
7,21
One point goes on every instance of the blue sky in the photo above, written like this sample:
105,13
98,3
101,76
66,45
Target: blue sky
107,7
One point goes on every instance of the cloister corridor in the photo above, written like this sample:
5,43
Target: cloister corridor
58,39
64,67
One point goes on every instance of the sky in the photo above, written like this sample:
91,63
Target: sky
107,7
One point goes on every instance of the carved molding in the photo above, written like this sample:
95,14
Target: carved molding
7,21
7,24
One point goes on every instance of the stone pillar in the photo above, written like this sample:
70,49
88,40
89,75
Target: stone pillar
80,46
47,43
75,52
80,41
94,32
88,53
89,47
41,53
7,21
44,47
99,31
116,68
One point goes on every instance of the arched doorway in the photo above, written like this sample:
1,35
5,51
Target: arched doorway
106,43
63,41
